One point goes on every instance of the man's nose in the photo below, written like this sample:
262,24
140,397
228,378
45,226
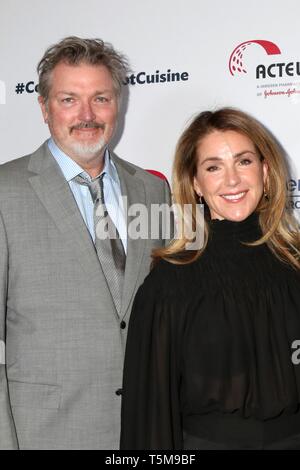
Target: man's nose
86,112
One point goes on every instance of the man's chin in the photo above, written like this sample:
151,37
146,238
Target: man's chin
88,150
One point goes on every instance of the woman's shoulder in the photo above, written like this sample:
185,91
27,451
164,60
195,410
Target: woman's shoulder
174,268
163,296
160,274
169,277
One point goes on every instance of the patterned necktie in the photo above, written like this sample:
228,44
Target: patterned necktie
108,244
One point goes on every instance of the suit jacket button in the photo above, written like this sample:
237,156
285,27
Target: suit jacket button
119,392
123,324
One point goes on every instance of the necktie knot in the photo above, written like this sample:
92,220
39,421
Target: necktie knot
95,187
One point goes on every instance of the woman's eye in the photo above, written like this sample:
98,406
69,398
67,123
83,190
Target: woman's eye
212,168
245,161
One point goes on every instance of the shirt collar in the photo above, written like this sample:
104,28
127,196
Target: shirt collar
70,168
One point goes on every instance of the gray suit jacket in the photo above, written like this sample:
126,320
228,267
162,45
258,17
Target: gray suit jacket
64,344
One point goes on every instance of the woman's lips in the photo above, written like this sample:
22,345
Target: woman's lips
234,197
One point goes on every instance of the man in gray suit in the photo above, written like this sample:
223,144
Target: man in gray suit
66,294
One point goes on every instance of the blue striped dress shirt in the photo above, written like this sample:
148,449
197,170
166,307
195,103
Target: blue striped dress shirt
111,188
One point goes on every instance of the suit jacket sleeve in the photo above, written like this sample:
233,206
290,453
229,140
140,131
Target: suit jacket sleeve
8,438
151,417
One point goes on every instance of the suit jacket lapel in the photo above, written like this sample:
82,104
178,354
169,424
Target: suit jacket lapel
54,193
133,188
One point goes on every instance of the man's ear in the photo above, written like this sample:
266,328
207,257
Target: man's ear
44,109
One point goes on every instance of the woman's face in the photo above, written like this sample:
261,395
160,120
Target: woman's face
230,175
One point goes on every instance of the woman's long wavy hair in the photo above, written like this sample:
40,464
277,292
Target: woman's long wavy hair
279,228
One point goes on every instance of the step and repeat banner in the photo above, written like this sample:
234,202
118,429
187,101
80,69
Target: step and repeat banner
185,57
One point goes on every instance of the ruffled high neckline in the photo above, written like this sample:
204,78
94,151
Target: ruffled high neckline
247,230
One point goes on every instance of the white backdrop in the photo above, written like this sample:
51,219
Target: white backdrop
195,38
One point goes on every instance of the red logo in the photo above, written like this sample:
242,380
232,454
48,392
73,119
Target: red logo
158,174
236,61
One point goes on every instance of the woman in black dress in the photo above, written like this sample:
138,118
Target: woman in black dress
213,350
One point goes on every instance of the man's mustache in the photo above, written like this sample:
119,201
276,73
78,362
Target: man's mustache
88,125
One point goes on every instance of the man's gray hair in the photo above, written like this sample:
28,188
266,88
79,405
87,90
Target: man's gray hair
73,50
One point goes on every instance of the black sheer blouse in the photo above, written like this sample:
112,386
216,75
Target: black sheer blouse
211,338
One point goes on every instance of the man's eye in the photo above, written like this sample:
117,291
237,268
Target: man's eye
68,100
101,99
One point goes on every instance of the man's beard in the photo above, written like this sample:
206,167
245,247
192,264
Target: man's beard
87,149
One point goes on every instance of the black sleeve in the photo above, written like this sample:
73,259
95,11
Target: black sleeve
150,403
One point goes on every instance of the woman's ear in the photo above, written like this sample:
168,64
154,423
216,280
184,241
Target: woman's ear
265,173
197,187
